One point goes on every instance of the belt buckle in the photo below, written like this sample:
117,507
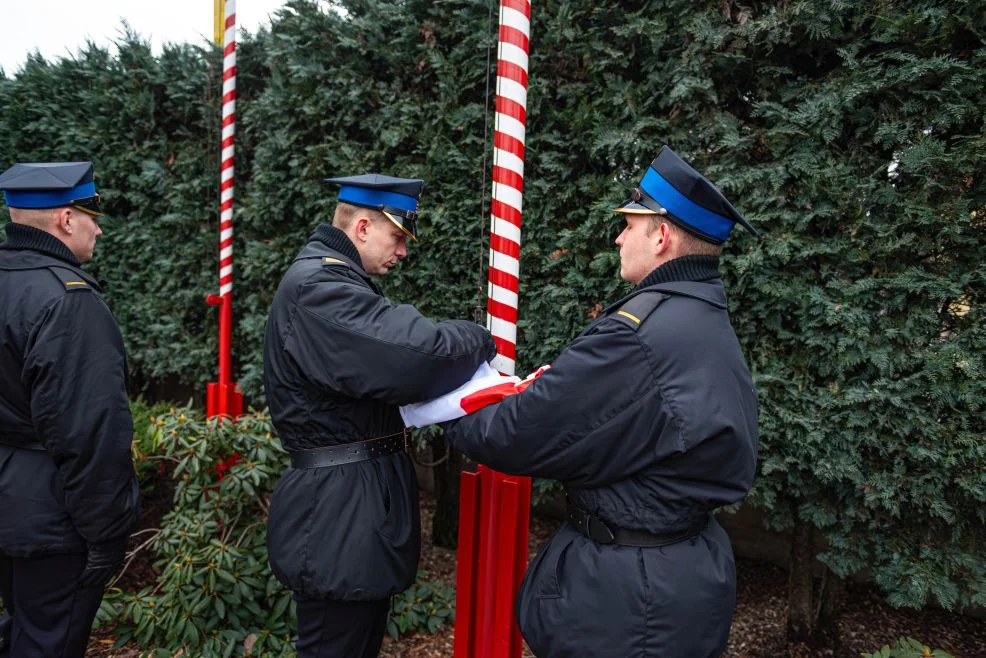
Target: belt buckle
598,531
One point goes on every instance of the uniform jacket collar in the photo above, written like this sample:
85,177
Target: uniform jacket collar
335,239
686,268
28,248
21,236
328,241
689,276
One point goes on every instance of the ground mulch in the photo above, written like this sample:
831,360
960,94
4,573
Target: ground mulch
758,629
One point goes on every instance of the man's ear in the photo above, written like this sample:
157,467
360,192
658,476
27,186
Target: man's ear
663,237
362,228
65,220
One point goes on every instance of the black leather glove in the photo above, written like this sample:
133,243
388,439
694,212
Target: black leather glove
103,560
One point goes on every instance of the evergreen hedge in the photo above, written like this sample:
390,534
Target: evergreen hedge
852,134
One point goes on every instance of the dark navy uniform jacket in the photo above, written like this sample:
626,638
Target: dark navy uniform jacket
338,361
649,419
66,475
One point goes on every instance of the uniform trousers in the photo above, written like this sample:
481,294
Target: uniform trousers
340,629
47,614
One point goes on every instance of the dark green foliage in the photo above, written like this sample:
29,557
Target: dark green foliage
907,647
850,133
424,608
214,589
214,594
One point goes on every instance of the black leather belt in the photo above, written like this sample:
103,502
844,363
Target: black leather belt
604,533
37,446
348,453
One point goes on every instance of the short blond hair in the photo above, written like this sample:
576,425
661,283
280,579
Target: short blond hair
689,244
39,218
346,215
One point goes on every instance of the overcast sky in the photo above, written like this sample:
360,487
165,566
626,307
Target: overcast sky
60,28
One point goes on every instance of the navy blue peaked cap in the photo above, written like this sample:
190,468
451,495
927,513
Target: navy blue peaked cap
672,188
51,185
397,198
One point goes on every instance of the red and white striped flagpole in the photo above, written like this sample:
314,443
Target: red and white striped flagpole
510,130
224,399
494,509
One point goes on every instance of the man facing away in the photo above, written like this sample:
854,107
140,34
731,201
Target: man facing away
68,491
339,358
649,420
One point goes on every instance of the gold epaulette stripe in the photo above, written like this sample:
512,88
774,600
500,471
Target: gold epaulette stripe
333,260
76,283
627,315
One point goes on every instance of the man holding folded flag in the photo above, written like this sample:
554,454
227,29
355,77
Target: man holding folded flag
344,532
649,420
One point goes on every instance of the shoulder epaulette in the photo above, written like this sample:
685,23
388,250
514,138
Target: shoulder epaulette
70,279
328,260
638,307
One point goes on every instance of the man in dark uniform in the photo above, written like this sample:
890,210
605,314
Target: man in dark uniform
649,420
68,491
339,358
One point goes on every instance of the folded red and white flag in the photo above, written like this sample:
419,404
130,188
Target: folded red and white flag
487,386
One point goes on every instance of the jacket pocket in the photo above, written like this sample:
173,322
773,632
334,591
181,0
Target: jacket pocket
398,508
543,580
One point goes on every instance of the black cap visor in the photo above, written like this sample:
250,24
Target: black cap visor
405,220
90,204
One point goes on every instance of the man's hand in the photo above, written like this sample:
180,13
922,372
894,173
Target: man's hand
103,560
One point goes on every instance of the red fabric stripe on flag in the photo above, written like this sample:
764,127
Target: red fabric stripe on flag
505,212
511,71
509,177
522,6
505,348
515,37
487,396
511,108
504,246
508,143
504,280
501,310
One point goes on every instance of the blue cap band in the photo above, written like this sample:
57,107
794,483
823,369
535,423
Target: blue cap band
49,198
362,196
686,210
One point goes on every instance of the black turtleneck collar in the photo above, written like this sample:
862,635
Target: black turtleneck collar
686,268
21,236
334,238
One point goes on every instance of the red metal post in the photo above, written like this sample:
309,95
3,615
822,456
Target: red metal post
223,398
493,545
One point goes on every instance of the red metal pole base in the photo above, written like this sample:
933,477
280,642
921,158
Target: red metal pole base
223,400
494,515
